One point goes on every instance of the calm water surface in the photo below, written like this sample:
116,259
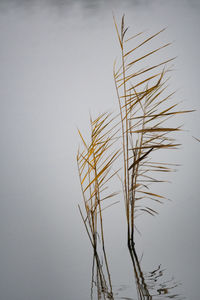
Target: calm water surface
56,65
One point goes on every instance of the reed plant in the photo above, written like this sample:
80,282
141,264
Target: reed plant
140,129
95,160
146,110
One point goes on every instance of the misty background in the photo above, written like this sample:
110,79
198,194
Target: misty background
56,60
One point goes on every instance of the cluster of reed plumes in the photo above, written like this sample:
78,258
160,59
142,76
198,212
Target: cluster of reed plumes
94,165
143,126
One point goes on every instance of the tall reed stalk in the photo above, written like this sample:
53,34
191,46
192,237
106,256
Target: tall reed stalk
145,109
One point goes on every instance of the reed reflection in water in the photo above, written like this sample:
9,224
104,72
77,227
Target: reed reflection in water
151,285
